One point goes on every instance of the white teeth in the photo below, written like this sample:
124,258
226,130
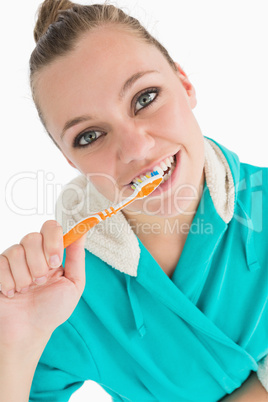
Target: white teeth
163,166
167,176
171,170
168,163
159,170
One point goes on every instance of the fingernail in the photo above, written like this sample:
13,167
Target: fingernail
54,261
10,293
40,280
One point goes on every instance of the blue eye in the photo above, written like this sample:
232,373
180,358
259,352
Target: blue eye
145,99
87,138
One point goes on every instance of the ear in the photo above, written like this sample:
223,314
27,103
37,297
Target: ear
187,86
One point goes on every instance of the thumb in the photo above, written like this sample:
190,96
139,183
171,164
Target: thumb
75,263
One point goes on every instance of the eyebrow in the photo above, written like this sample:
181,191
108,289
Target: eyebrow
74,122
127,85
130,81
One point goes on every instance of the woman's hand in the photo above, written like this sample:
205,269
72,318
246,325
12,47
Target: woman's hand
53,292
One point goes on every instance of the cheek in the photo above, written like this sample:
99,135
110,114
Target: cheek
175,119
93,163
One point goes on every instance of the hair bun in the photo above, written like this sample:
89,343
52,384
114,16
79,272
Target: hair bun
48,13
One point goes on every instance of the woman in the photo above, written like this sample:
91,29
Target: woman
163,277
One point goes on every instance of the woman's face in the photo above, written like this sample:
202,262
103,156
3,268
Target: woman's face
117,109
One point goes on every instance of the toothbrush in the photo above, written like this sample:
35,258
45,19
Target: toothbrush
142,187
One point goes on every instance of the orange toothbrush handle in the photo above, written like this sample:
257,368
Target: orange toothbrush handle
79,230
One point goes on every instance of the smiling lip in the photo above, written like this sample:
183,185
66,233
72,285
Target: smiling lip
151,167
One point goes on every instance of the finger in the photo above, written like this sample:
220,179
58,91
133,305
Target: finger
52,243
35,258
8,285
75,263
18,267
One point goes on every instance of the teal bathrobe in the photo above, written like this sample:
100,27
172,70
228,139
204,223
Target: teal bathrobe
146,337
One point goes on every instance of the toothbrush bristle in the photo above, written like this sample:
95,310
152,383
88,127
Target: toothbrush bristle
140,179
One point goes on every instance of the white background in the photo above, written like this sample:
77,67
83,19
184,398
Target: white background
222,46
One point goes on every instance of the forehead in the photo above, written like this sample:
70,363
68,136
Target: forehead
112,39
102,59
103,52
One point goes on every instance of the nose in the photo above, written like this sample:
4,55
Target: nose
134,143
